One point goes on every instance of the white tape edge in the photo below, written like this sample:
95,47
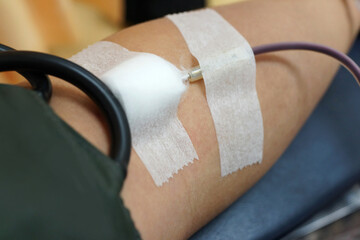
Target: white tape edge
164,145
229,73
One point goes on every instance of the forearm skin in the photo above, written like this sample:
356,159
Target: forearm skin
289,85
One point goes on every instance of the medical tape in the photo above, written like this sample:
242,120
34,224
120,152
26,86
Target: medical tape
150,89
229,72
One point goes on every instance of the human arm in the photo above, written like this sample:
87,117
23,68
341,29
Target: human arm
289,85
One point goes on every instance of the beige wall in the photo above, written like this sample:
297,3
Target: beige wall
60,27
221,2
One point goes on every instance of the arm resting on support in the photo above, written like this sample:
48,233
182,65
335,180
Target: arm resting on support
289,85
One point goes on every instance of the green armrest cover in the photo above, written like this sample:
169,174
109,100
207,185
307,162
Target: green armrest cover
53,183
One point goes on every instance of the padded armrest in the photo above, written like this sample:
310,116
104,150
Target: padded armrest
322,162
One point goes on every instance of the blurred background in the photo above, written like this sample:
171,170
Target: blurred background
64,27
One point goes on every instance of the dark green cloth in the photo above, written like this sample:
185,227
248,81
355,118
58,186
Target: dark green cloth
53,183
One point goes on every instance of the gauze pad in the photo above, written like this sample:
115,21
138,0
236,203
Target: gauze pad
146,85
229,73
150,89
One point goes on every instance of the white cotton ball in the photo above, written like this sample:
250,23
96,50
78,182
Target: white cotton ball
147,86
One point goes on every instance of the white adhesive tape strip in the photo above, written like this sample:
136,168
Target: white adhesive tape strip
101,57
229,72
150,89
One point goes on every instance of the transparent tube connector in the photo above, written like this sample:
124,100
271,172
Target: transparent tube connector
195,74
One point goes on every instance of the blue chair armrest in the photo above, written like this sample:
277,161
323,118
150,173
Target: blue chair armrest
321,163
